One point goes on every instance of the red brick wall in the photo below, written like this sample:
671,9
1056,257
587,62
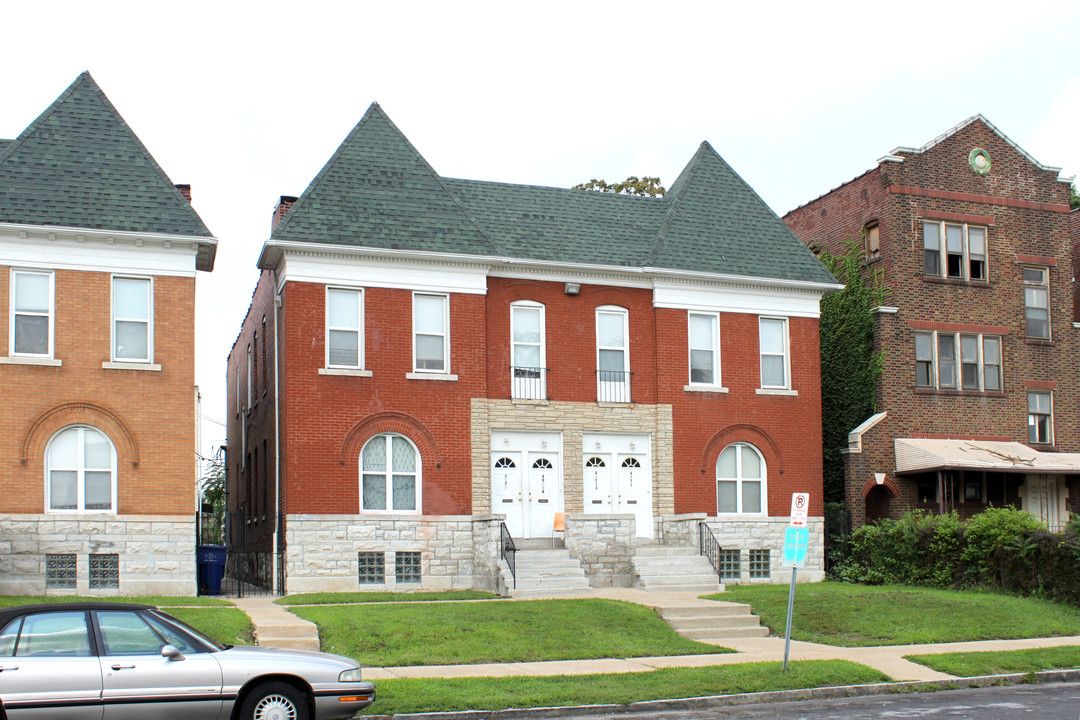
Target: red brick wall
149,416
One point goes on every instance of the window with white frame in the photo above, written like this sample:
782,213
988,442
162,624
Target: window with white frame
80,471
31,313
431,333
1037,302
938,355
612,354
344,328
390,475
133,318
527,350
954,250
1040,417
773,345
704,336
740,481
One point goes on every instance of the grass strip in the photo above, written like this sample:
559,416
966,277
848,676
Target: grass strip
525,631
159,600
227,625
488,694
851,615
378,597
972,664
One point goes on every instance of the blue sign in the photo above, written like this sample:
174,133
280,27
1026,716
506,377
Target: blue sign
796,540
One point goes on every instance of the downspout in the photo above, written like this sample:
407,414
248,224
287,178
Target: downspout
277,435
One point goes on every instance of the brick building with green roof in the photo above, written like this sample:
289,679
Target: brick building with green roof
428,358
98,256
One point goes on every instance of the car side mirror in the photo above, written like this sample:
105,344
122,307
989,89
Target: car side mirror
172,653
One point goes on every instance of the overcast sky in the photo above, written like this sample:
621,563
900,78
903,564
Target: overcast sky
247,101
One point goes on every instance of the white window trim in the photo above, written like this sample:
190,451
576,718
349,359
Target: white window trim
80,485
958,362
52,314
787,354
445,336
1045,285
359,329
1050,440
717,383
739,481
541,386
149,359
965,262
625,348
389,474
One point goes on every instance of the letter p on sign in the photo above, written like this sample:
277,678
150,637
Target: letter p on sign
800,503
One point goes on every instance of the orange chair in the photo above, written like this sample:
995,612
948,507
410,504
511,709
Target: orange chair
559,526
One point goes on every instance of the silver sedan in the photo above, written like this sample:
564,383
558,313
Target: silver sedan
113,661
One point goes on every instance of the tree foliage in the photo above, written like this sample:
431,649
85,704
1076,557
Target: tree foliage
632,185
213,491
849,365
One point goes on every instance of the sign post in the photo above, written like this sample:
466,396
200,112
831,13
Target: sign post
796,539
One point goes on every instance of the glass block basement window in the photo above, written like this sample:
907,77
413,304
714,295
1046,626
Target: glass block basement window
759,564
407,567
372,568
729,564
104,572
60,572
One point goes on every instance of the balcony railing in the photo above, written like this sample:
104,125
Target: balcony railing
528,383
613,386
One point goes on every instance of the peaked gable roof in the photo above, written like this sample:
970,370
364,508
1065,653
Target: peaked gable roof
378,192
80,165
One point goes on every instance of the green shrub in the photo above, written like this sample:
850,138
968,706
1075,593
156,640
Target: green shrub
991,538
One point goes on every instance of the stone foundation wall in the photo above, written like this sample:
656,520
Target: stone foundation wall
768,534
457,552
603,544
156,553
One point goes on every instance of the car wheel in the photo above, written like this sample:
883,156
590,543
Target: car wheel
274,701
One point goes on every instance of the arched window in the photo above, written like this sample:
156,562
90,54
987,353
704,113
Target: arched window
80,471
390,475
740,481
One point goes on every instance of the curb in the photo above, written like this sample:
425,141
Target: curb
714,701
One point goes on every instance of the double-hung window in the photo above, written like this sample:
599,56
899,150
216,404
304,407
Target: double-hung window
612,354
31,313
740,480
133,319
1037,302
704,335
1040,418
528,371
773,345
939,355
954,250
431,333
344,328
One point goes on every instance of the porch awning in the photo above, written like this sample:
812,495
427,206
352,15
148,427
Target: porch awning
920,455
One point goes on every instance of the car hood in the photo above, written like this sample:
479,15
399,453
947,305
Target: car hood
250,660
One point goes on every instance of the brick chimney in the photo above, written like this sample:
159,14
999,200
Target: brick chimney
185,190
283,206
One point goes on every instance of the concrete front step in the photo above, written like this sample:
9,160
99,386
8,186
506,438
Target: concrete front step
713,622
295,643
694,612
674,569
546,572
285,630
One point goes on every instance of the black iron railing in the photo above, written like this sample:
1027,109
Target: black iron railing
528,383
613,386
508,551
251,574
709,547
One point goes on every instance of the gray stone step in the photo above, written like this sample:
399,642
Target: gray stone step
721,609
713,622
546,572
674,569
719,638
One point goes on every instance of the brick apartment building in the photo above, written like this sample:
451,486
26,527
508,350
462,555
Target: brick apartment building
427,357
98,256
978,401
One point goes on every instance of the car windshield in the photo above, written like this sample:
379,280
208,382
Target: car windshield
167,618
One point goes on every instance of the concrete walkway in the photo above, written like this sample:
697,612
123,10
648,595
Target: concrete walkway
273,623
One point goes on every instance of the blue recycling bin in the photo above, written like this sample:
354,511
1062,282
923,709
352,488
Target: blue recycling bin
210,565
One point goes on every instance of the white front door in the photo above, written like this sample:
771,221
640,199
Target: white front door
527,481
617,476
1044,500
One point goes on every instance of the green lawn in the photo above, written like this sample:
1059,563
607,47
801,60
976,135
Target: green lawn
468,632
227,625
159,600
861,615
446,695
1000,663
378,597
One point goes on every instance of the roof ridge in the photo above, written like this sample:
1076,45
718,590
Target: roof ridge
674,197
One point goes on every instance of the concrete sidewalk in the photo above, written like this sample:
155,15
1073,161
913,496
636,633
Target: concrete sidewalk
273,623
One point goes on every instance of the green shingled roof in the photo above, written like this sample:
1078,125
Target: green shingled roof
80,165
377,191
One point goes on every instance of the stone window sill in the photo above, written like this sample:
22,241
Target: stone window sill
347,372
955,281
777,391
1039,341
705,388
43,362
968,393
430,376
130,366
